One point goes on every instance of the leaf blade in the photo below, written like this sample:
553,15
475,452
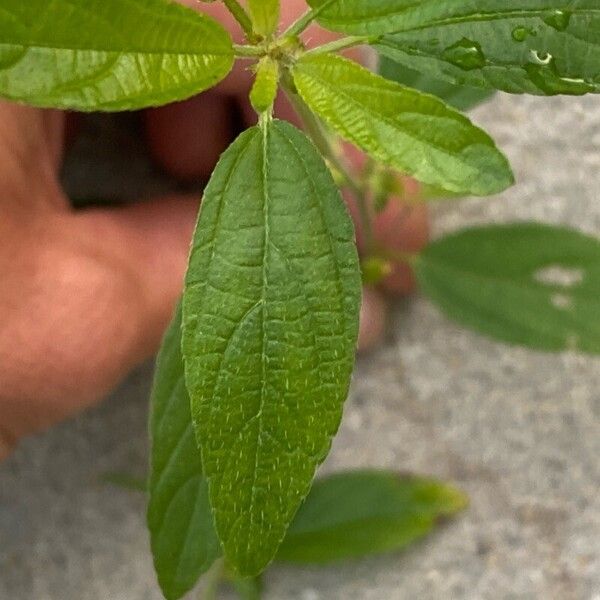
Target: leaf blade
183,539
81,57
270,326
265,16
403,128
460,97
359,513
547,47
494,280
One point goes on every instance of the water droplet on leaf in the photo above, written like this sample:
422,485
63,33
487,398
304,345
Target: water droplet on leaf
541,58
558,19
465,54
546,77
520,34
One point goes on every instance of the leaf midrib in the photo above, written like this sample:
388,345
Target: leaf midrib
145,52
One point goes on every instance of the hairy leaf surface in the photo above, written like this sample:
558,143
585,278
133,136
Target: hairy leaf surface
265,15
542,47
461,97
270,326
358,513
413,132
527,284
183,538
108,54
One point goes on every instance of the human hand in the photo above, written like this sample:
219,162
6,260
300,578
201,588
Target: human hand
86,295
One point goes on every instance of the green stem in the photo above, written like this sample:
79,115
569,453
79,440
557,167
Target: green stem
248,51
241,16
306,19
297,27
343,44
322,141
213,579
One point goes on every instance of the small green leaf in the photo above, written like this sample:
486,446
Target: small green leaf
270,326
108,54
264,90
183,539
542,47
355,514
415,133
460,97
527,284
265,16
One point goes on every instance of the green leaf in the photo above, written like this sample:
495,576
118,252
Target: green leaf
264,90
108,54
270,326
460,97
184,542
355,514
362,16
527,284
415,133
542,47
265,16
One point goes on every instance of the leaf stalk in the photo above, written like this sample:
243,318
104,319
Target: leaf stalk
343,44
322,141
241,16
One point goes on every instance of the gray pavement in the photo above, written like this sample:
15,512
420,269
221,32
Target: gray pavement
518,430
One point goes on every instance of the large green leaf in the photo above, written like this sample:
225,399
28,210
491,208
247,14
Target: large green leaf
270,325
108,54
461,97
527,284
184,542
354,514
542,47
413,132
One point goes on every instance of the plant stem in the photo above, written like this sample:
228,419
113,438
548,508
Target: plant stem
343,44
305,20
248,51
322,141
241,16
213,577
297,27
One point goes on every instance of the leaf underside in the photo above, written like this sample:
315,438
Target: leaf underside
416,133
183,538
108,55
542,47
528,284
461,97
359,513
270,325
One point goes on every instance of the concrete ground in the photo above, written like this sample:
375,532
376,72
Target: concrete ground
518,430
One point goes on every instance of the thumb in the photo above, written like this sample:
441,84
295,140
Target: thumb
84,301
149,243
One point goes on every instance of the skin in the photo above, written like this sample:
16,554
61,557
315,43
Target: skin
86,295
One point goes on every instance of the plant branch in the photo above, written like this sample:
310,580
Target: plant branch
241,16
322,141
248,51
213,578
305,20
343,44
297,27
